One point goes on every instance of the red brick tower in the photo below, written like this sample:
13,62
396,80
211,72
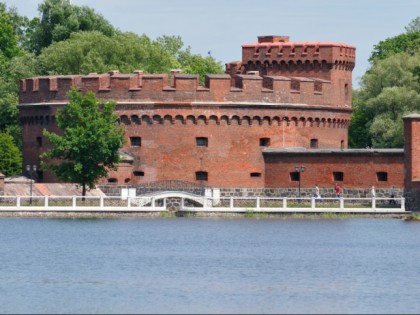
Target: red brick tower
281,95
277,56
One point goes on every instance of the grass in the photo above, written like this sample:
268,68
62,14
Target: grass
249,213
413,217
167,214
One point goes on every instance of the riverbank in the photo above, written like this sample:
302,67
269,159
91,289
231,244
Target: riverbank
181,214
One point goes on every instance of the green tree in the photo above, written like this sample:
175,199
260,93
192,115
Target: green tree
126,52
8,39
95,52
189,62
197,64
389,90
59,19
359,136
407,42
10,156
89,144
11,69
10,73
413,26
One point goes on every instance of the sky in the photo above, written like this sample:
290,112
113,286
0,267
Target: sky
222,26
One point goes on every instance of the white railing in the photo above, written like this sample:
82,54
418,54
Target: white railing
82,204
200,204
260,204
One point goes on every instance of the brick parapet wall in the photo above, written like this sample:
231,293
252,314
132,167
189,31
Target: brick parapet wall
272,49
156,89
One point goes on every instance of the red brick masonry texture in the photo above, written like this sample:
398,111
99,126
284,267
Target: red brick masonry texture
284,104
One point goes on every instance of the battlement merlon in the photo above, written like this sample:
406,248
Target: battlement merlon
140,87
280,48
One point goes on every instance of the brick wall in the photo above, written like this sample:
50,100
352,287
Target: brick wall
299,93
157,89
360,169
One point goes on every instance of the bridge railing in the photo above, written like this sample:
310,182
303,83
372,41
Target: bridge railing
79,203
296,204
200,204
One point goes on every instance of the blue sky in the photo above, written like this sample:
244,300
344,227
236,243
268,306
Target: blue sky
222,26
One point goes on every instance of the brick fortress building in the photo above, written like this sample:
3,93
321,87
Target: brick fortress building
285,104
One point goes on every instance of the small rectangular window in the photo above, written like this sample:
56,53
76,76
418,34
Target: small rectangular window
135,141
202,141
201,176
295,85
138,173
382,176
314,143
255,174
264,142
338,176
294,176
39,141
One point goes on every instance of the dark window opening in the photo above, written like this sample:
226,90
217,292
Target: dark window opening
202,141
39,141
255,174
138,173
127,180
112,180
338,176
314,143
294,176
382,176
201,175
135,141
295,85
264,142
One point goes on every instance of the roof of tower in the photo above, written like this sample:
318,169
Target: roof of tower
276,40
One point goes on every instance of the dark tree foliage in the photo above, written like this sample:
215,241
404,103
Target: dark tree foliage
59,19
10,155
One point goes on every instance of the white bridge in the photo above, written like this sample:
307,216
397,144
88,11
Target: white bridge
158,202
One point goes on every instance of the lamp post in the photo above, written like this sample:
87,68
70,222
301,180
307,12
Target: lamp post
30,172
299,170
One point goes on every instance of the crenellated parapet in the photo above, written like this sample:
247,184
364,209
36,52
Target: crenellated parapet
280,54
178,87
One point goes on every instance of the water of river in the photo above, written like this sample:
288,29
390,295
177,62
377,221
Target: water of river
186,265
